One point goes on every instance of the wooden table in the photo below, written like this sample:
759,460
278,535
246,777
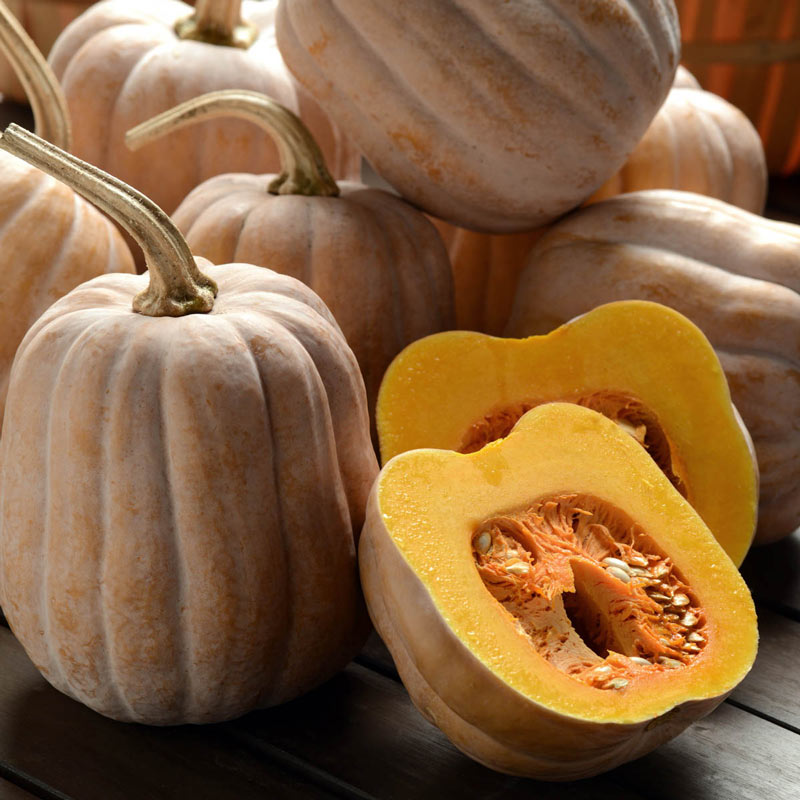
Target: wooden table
359,736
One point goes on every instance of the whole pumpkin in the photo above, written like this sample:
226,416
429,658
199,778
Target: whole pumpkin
734,274
123,62
50,238
182,487
494,116
377,263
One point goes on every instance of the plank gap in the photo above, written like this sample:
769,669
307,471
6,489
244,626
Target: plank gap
763,715
30,784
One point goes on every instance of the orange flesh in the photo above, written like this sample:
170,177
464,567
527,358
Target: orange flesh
626,410
590,590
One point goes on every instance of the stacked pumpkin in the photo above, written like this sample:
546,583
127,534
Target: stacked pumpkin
560,596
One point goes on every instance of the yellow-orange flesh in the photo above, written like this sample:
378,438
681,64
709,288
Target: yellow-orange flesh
629,412
593,593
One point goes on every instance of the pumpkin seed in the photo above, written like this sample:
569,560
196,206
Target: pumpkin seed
639,573
618,563
695,637
689,619
619,574
483,542
671,663
691,648
680,600
604,670
660,570
638,561
660,598
617,683
643,661
518,568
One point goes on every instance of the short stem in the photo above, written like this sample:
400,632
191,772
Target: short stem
218,22
39,82
177,286
303,169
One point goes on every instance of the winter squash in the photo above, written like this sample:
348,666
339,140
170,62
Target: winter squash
734,274
551,602
378,264
123,62
697,142
183,480
459,391
494,116
51,239
43,20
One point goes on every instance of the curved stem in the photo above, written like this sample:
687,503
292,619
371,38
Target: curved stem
303,169
177,286
218,22
39,82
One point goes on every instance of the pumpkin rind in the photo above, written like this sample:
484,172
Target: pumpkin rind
529,110
206,542
122,62
467,668
734,274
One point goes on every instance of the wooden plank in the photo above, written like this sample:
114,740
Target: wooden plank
730,754
367,733
773,574
773,686
65,746
10,791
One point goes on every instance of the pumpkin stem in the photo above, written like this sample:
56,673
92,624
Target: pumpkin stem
218,22
303,169
177,286
41,86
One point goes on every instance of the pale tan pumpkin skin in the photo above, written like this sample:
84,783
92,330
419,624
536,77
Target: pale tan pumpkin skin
494,116
378,264
697,142
51,240
734,274
122,63
181,499
43,20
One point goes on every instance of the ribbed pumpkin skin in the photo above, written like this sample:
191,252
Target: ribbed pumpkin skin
697,142
494,116
734,274
378,264
486,269
51,241
181,498
122,63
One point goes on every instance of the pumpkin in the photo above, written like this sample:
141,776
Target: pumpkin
123,62
43,20
182,487
697,142
378,264
459,391
551,602
51,239
494,116
734,274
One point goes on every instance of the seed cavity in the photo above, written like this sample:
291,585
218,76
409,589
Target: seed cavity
545,565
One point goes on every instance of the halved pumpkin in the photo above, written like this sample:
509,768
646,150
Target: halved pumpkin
642,364
552,603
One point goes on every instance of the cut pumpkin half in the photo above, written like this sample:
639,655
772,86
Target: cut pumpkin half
641,364
552,602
